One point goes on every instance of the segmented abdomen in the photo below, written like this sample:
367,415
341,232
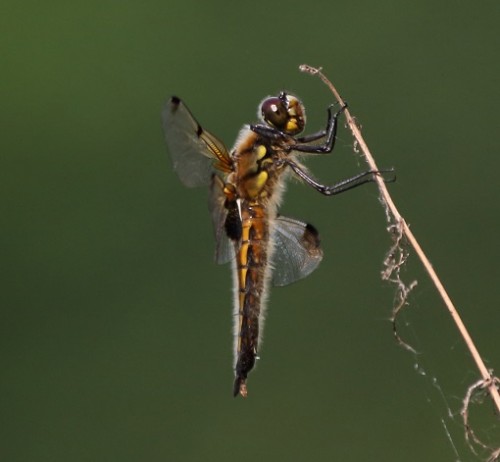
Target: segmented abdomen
252,274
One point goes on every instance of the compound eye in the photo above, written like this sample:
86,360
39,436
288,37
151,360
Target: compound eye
274,112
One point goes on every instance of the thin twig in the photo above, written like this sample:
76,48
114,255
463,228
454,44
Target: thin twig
488,379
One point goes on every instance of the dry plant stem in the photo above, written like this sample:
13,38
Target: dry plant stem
494,456
485,373
470,435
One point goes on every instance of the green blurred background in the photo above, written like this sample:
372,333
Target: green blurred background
116,324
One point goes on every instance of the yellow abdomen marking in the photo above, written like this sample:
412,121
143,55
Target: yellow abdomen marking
242,259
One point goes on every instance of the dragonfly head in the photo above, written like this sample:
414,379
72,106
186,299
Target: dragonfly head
284,112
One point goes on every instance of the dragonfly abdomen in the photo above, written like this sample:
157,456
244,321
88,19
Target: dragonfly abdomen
252,271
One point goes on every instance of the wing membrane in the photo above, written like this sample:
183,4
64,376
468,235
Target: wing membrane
297,250
194,152
224,247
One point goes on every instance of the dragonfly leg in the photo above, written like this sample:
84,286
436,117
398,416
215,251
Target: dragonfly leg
330,132
343,185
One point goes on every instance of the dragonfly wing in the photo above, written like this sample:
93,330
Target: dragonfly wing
297,251
224,247
192,149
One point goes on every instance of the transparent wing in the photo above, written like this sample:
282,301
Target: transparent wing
194,151
297,251
224,247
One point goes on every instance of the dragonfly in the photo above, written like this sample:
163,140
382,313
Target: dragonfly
246,187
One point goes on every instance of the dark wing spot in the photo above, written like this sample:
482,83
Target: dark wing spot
311,239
